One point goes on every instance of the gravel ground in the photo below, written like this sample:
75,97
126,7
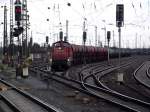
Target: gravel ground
62,97
70,100
130,86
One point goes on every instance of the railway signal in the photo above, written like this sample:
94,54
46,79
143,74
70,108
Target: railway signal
119,23
17,31
61,35
108,36
84,36
47,40
18,10
119,15
84,40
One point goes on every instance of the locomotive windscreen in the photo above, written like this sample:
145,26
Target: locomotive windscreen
61,44
57,45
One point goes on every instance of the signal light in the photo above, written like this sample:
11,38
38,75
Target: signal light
119,15
69,4
84,36
108,35
61,35
17,31
120,12
47,39
18,13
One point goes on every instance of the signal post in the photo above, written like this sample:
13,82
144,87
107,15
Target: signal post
119,23
84,39
108,40
17,31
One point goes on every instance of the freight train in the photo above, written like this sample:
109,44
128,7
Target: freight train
64,54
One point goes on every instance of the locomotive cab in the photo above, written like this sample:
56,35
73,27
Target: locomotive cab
61,55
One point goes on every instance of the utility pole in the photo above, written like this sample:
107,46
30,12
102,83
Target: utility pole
140,42
105,36
136,41
149,41
30,44
5,38
11,46
99,41
66,38
95,35
113,38
60,32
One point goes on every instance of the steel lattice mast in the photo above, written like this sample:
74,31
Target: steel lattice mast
11,47
25,19
5,39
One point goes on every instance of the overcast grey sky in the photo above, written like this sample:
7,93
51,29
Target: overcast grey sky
100,13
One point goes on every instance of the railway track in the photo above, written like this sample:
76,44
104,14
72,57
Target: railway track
99,73
20,101
96,67
129,103
134,104
142,74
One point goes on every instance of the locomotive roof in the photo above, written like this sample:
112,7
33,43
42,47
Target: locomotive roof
76,44
62,42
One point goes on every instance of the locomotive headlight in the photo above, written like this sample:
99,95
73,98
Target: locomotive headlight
69,60
50,60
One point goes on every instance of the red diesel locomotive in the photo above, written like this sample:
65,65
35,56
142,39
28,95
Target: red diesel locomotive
65,54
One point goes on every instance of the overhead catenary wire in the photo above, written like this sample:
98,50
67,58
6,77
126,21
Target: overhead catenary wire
95,11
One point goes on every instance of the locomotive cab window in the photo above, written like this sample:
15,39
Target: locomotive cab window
57,45
66,45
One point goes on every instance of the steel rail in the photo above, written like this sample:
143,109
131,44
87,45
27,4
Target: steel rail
44,105
73,83
138,79
118,94
99,83
10,104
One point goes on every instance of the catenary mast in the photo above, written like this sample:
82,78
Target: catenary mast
25,19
